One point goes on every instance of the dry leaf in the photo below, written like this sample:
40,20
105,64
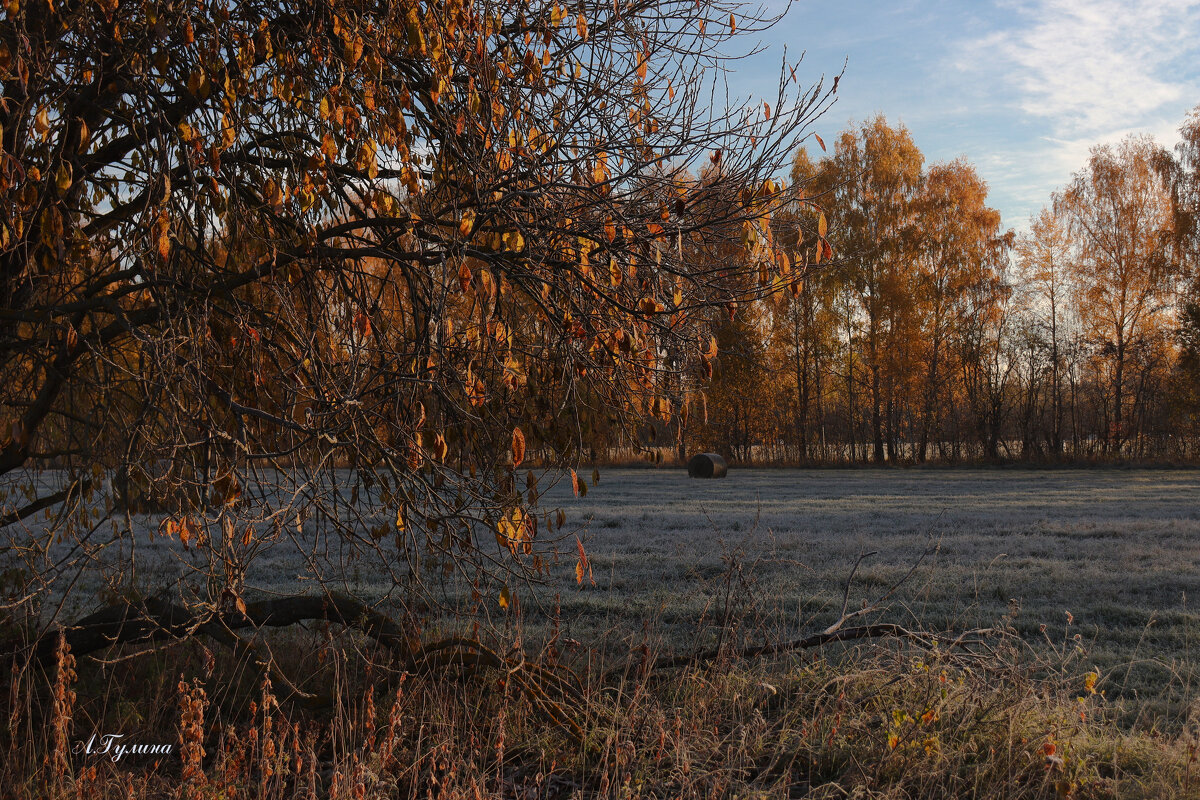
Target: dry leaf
518,447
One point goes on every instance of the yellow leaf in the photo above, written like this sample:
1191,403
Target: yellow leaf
197,84
822,226
412,25
163,229
505,597
329,146
63,177
514,242
467,222
581,27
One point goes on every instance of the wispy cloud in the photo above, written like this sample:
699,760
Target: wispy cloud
1093,65
1076,73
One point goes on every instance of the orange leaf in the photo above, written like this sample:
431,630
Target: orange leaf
467,223
518,447
581,27
822,226
821,142
732,24
584,565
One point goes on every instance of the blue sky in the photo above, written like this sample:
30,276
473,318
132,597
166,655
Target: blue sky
1022,88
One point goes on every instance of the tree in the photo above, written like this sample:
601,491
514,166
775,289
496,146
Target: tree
1119,212
866,189
982,341
1044,259
954,230
1182,174
744,390
428,243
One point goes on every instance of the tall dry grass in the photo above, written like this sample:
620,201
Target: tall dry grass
888,718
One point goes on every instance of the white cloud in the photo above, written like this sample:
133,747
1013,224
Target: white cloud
1090,65
1077,73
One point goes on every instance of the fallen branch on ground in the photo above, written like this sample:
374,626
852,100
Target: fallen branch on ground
157,620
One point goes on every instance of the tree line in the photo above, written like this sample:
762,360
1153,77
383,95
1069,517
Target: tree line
934,335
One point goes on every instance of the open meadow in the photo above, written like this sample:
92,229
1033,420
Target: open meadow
1099,566
1087,579
1105,559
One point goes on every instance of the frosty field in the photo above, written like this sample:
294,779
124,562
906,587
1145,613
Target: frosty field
1108,560
1117,550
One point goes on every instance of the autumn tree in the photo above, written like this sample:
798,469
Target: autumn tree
1119,214
982,341
1182,173
1044,259
335,272
867,188
954,232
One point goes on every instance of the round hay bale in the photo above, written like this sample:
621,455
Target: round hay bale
707,465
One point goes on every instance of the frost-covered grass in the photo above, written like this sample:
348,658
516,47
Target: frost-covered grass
1107,560
1104,560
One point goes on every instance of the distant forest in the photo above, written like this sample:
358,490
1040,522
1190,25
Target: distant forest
930,334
